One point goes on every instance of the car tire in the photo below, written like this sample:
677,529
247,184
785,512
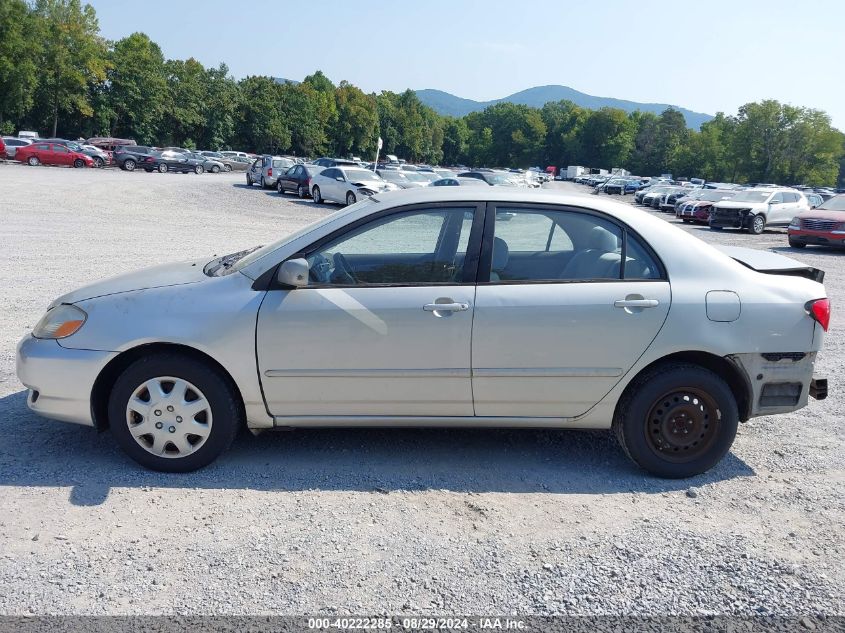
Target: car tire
350,198
248,180
301,191
215,169
199,170
214,406
99,162
162,168
129,164
315,194
280,187
676,420
78,163
263,183
757,224
33,161
795,244
227,168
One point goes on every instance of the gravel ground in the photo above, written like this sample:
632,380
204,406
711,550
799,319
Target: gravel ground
380,521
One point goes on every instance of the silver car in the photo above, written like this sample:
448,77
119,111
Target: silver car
266,170
424,308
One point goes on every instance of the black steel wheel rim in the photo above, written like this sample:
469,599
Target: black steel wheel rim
683,424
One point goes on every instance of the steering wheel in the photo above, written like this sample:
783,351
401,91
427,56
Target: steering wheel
342,270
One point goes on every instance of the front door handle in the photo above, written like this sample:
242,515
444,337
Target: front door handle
636,303
446,307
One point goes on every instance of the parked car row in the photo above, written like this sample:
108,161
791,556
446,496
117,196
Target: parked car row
810,218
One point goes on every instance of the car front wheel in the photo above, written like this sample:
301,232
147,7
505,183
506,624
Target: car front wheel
301,191
173,413
33,161
757,225
350,198
279,187
199,169
677,420
162,169
315,194
129,164
795,244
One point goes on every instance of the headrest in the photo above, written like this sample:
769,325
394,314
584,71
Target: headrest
501,253
603,240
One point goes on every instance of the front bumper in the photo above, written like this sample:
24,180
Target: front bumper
732,221
822,238
59,379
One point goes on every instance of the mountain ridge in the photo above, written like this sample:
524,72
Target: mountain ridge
448,104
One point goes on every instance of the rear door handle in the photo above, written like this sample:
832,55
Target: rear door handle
636,303
446,307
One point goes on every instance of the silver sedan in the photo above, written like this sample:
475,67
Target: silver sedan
441,306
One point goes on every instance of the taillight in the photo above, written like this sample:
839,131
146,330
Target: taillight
819,310
270,172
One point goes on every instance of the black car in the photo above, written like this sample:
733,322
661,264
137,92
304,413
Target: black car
132,156
173,161
335,162
298,179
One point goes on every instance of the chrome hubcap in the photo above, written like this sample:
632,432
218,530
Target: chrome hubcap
169,417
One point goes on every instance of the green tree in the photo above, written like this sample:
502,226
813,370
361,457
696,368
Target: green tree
221,107
261,125
607,138
455,141
355,130
73,56
138,88
563,121
186,107
19,55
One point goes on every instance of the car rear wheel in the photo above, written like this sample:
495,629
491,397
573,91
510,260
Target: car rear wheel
677,420
795,244
162,169
228,168
215,169
280,187
129,164
350,198
301,191
199,169
78,163
33,161
99,162
173,413
248,180
757,225
315,194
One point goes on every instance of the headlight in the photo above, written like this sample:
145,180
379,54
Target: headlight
795,223
366,191
60,322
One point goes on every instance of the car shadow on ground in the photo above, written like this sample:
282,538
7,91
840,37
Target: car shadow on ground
828,251
44,453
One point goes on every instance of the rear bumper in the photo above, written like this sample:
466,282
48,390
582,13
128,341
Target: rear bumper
780,382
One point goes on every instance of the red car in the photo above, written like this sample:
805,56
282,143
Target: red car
2,149
40,153
823,226
696,208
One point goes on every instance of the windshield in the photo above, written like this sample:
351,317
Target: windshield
393,176
836,203
415,177
751,196
238,261
360,174
714,196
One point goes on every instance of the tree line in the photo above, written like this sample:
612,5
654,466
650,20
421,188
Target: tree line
59,76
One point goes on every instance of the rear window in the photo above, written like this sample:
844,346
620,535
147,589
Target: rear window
282,162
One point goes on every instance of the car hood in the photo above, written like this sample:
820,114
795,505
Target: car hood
155,277
823,214
375,185
731,204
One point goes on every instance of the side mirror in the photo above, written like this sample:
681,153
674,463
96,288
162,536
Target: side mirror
293,273
340,179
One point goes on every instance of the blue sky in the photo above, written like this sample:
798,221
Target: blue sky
706,56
